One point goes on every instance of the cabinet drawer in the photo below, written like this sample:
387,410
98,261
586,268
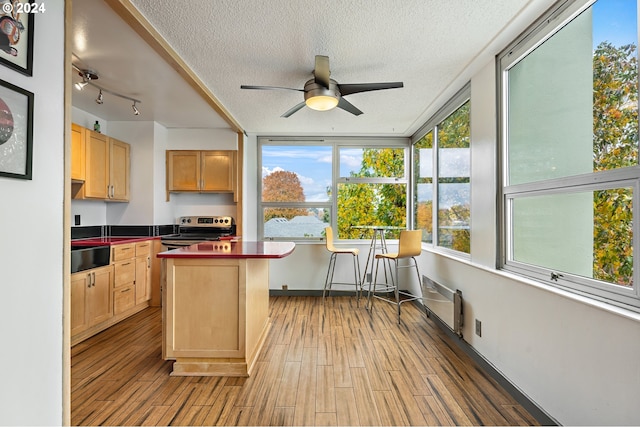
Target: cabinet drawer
123,299
143,248
121,252
124,272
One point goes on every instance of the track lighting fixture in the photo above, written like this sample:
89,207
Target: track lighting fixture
88,78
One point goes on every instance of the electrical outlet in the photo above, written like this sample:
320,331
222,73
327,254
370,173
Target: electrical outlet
478,328
368,278
285,287
77,219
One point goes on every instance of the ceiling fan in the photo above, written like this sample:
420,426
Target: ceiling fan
323,93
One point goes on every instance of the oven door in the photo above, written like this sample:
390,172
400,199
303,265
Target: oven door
176,244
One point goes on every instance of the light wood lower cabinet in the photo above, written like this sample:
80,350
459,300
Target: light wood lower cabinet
103,296
91,298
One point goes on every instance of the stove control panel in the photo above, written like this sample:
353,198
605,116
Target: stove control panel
206,221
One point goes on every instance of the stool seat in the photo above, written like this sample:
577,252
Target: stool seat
335,251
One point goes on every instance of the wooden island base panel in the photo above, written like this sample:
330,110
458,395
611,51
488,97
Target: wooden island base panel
215,315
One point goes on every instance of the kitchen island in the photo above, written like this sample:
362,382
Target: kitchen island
215,305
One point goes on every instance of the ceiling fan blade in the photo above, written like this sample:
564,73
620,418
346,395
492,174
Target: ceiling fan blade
348,89
293,110
270,88
322,71
347,106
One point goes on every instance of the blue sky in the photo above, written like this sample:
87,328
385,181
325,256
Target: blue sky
615,21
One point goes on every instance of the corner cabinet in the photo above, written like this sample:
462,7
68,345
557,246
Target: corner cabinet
100,166
201,171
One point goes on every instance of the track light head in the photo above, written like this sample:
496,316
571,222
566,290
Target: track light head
135,109
100,99
87,76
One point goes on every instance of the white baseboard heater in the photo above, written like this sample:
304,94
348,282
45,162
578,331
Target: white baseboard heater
445,303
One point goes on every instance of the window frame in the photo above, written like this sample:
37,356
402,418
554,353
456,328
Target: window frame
336,143
542,30
451,106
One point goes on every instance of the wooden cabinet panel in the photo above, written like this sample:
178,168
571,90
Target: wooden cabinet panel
79,288
97,165
119,155
143,248
123,252
78,136
143,279
100,166
124,272
123,299
201,171
100,308
90,298
183,170
217,170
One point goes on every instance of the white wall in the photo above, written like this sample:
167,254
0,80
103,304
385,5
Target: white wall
31,249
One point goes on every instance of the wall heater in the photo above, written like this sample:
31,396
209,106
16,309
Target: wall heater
443,302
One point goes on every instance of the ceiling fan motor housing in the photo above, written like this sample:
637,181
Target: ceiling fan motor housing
319,97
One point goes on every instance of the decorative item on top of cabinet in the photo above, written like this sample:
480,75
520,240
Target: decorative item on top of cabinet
100,166
210,171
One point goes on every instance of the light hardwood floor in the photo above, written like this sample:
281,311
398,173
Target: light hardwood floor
335,364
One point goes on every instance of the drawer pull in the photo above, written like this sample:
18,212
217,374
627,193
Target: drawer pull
125,290
126,263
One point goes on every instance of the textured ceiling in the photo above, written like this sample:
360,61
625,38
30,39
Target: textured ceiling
430,45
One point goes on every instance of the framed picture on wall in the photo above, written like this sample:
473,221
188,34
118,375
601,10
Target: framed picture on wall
16,33
16,131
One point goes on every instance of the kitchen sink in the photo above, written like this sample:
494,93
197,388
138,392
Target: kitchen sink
88,257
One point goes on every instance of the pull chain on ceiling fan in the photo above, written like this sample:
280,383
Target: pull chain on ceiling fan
322,93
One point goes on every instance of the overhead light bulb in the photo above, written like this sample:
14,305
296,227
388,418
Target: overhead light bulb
135,109
81,85
321,102
99,99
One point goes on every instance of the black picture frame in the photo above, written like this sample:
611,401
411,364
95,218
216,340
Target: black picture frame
16,36
16,131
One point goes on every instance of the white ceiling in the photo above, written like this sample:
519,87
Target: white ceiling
433,46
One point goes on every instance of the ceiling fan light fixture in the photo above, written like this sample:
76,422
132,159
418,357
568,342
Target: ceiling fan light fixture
321,102
320,98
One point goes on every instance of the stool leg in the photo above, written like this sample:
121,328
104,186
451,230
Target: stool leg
330,271
356,273
397,290
375,280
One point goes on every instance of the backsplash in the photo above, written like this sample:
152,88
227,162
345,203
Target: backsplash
122,230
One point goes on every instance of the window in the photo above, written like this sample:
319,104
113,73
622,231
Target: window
307,185
569,120
442,174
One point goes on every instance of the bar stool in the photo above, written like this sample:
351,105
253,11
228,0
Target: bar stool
332,266
409,246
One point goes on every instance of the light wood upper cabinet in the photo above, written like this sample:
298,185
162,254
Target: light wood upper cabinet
119,164
96,184
100,166
201,171
77,153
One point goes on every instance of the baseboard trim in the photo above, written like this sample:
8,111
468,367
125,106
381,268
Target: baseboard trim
537,412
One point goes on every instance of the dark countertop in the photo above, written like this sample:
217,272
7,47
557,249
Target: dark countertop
232,249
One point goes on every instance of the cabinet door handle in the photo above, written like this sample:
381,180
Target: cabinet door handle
148,262
88,280
93,279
